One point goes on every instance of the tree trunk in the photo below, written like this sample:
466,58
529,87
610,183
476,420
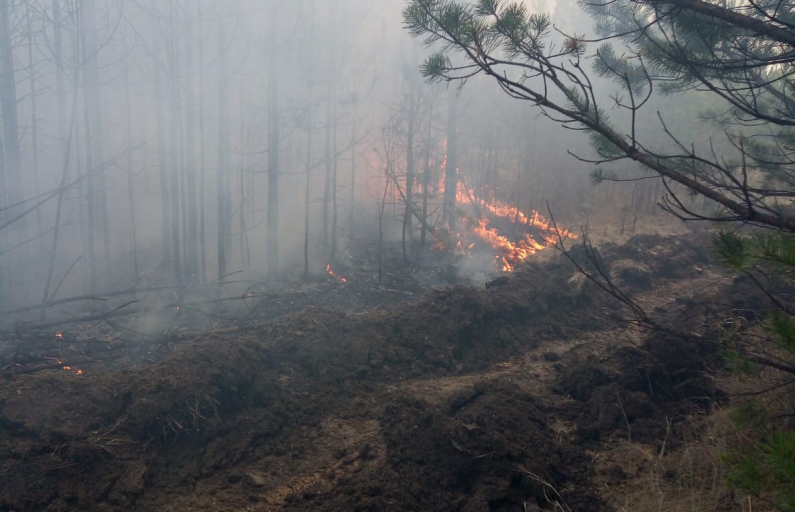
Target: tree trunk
12,188
426,177
451,170
191,234
175,162
273,145
409,171
97,204
333,252
129,170
353,173
224,177
327,181
60,88
162,164
309,134
34,120
202,155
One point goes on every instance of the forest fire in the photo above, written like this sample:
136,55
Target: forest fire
510,252
335,276
513,252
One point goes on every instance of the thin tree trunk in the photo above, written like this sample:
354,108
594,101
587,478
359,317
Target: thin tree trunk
353,173
95,141
162,164
327,181
426,177
273,145
34,121
245,197
224,206
174,160
309,143
91,217
59,204
202,155
333,252
191,234
130,190
451,171
8,102
409,173
60,88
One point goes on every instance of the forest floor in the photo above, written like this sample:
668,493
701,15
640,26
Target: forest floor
528,393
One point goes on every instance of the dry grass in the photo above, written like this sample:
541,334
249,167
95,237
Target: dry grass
689,478
618,227
620,265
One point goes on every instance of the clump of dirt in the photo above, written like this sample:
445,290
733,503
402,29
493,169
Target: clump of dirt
640,390
639,394
665,257
486,448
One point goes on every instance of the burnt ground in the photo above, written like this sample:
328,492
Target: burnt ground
499,398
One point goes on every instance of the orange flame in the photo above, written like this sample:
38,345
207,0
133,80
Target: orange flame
514,252
511,252
335,276
77,371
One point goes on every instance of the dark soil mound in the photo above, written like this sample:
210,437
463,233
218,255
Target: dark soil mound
451,330
70,442
487,448
641,389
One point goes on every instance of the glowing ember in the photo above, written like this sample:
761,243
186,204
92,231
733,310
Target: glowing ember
335,276
77,371
59,335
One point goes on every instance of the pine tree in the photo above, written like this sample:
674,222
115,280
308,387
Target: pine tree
743,57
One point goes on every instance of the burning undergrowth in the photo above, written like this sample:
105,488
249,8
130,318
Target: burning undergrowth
488,224
121,439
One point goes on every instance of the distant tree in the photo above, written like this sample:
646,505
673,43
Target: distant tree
742,53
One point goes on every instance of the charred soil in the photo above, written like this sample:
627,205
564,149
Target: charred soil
492,398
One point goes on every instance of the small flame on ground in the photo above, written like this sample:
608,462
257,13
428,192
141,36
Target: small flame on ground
59,335
510,252
335,276
77,371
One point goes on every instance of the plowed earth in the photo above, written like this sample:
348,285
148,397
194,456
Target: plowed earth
467,399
